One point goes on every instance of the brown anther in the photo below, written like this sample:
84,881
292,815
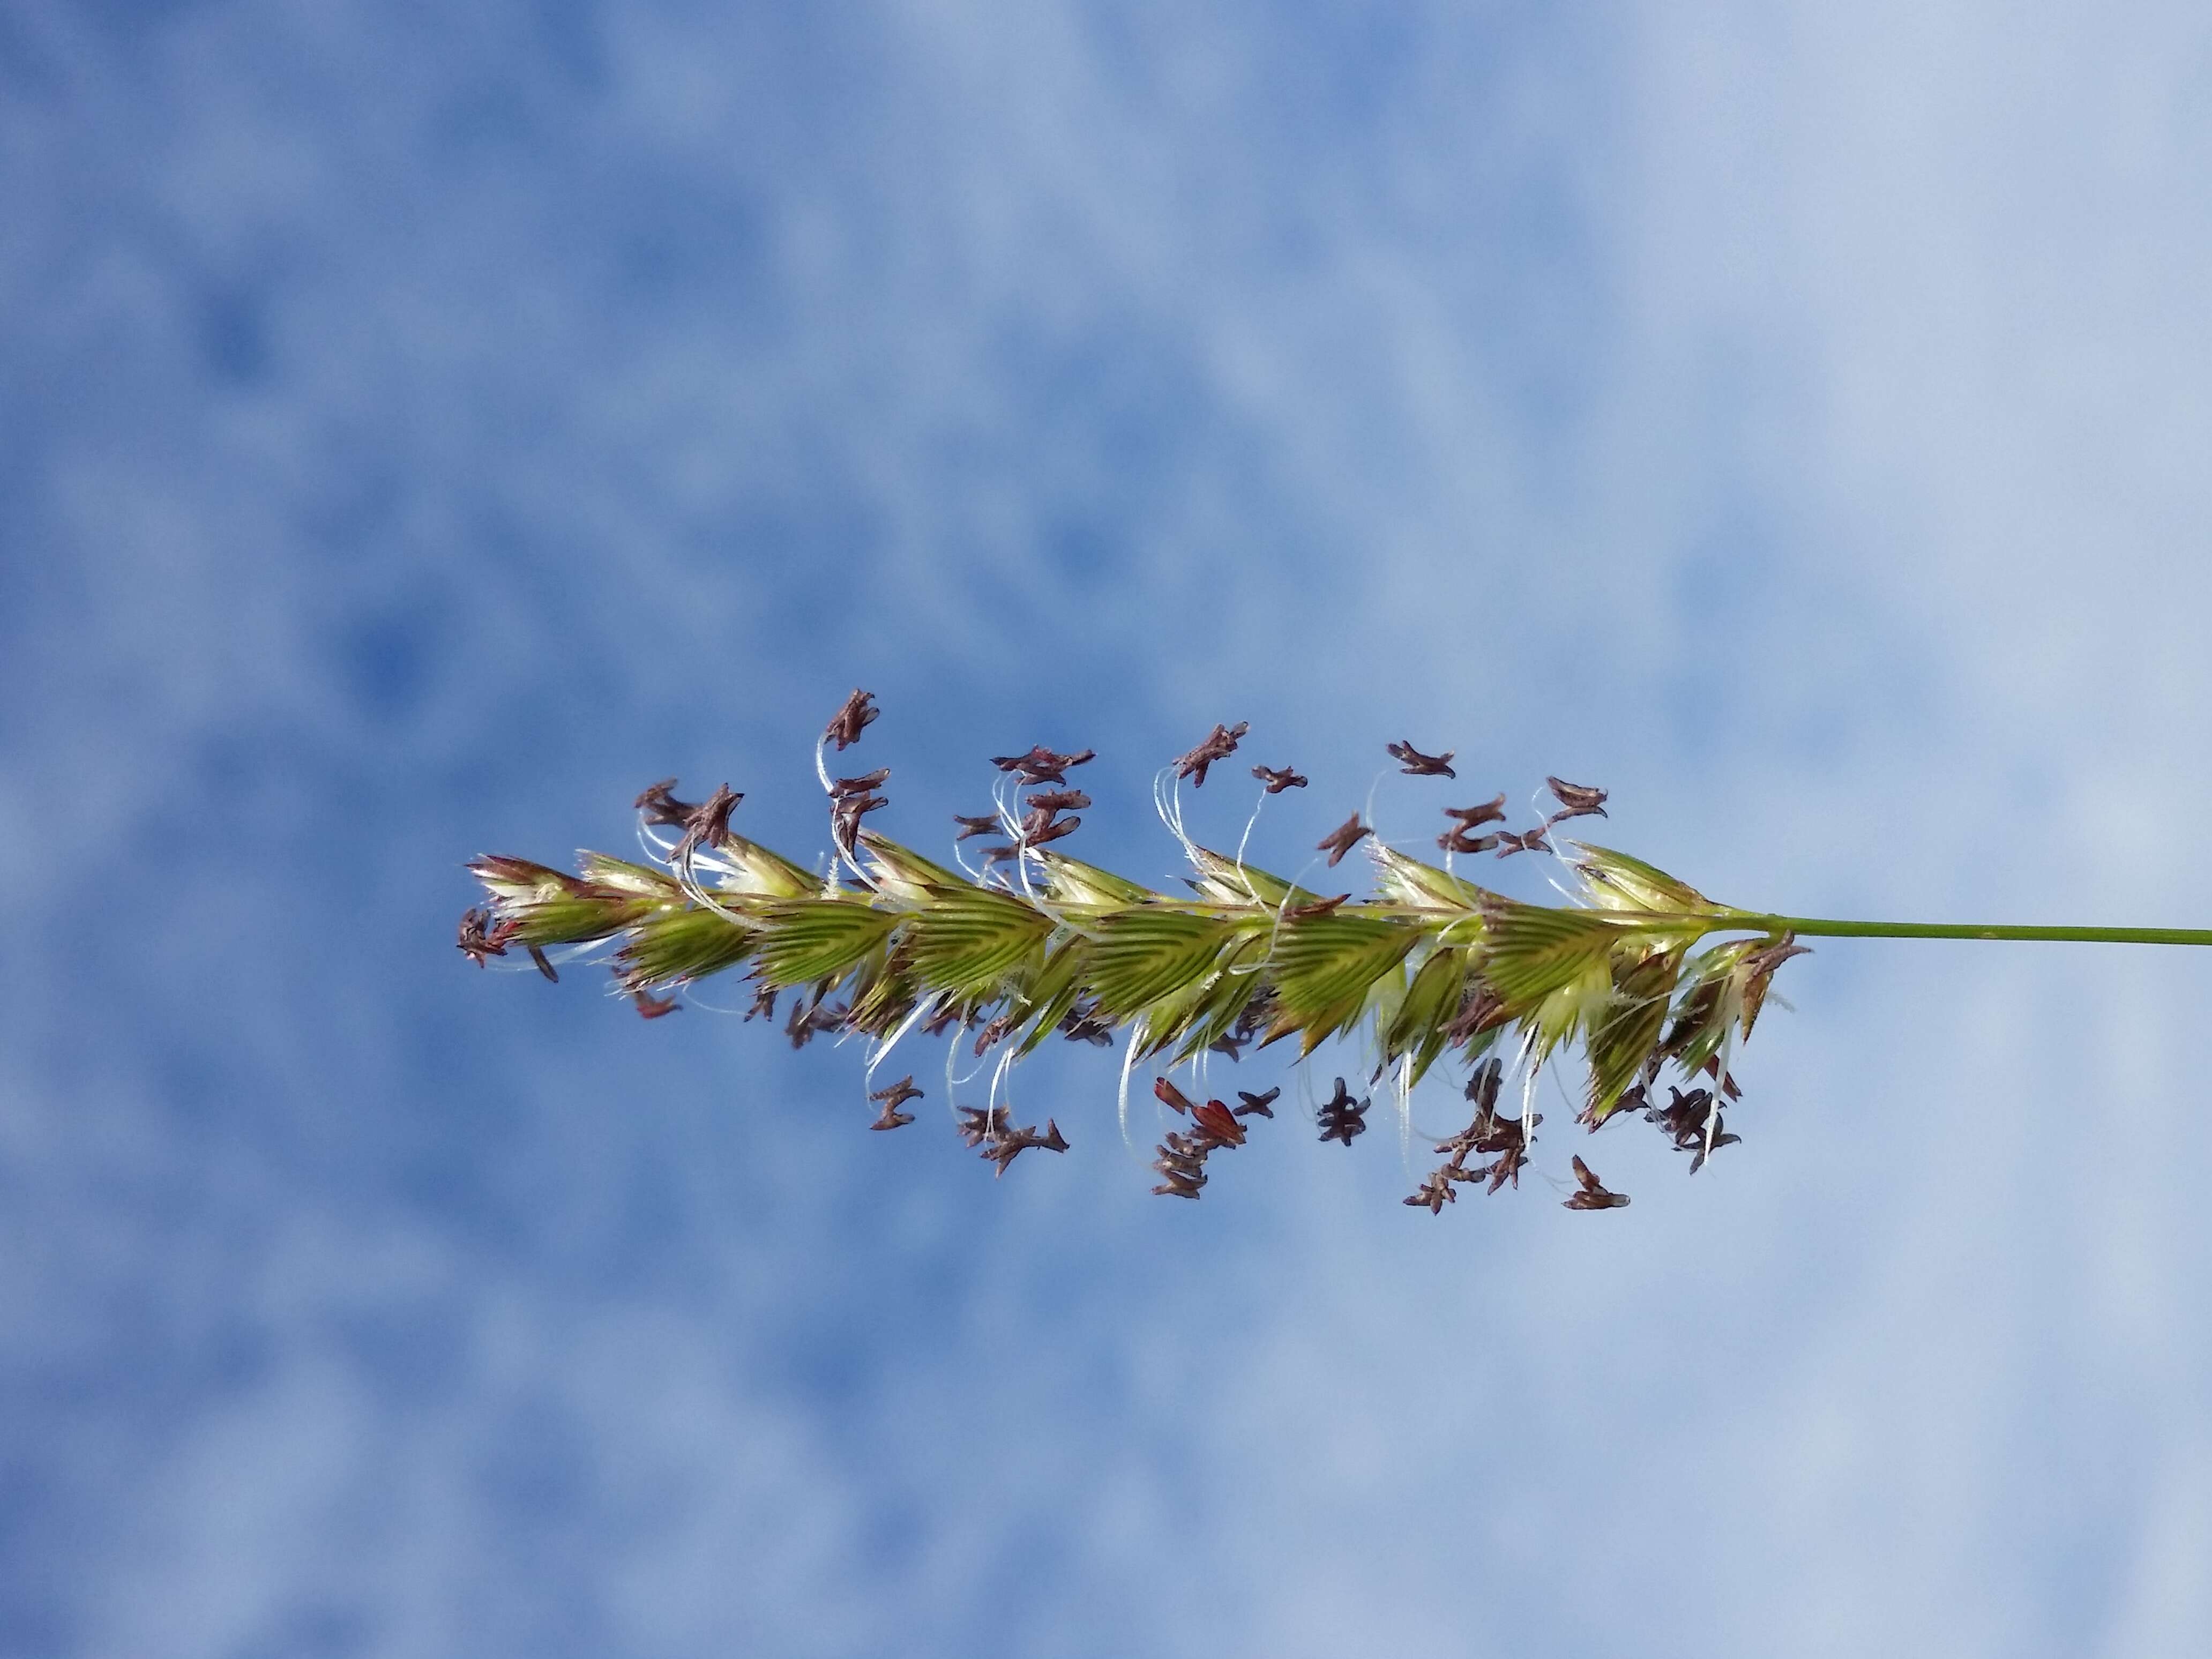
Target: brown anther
650,1006
996,1031
845,726
708,822
1343,838
1011,1143
892,1098
1081,1023
1050,832
1415,764
1220,745
1279,778
1434,1193
1178,1185
1483,1009
1706,1148
978,1127
1041,764
1318,907
1683,1117
1050,801
1629,1100
661,807
1489,1134
843,787
984,824
804,1021
1593,1196
1459,840
1482,1085
1508,1167
1578,800
1182,1155
482,937
544,966
1489,811
1528,841
1252,1105
845,818
764,1004
1171,1097
1219,1122
1341,1117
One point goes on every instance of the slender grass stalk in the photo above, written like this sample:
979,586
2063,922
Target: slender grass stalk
1033,944
1825,928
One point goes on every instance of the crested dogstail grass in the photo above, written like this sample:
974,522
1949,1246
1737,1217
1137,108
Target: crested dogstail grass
1638,981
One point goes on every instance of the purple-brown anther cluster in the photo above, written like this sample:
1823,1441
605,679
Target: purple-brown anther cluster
852,800
1695,1122
1218,745
482,937
1342,839
658,805
1576,801
1593,1196
1183,1152
1461,837
990,1132
805,1022
1081,1023
1040,823
1041,765
1504,1140
892,1098
707,824
1415,764
1528,841
1343,1118
856,714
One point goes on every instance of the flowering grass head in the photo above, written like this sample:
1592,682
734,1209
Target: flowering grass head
879,944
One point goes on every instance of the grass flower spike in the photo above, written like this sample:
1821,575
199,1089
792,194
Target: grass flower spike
1640,980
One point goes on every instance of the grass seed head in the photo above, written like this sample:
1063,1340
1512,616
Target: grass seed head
1432,967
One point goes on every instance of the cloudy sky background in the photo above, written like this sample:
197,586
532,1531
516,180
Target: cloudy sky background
422,426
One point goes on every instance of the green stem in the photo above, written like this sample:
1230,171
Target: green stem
1750,922
1760,921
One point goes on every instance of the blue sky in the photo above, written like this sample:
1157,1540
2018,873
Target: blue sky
422,427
